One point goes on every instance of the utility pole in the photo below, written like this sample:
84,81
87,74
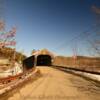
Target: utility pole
75,53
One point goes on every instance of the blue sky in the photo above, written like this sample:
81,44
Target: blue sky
49,23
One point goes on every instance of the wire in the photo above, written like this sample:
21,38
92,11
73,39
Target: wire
80,36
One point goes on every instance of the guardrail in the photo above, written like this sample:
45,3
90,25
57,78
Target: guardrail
77,69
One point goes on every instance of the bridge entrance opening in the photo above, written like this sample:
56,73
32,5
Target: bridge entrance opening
44,60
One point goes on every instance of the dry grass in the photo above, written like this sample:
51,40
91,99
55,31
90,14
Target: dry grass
85,63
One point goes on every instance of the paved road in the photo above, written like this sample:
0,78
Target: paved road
57,85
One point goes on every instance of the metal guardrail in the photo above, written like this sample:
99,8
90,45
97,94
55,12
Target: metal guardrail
75,69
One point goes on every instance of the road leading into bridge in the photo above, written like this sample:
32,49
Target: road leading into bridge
56,85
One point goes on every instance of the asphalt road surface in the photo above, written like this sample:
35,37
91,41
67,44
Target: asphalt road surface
56,85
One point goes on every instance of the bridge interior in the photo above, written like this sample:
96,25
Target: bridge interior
44,60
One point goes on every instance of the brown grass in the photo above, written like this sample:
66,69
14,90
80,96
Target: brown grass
85,63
